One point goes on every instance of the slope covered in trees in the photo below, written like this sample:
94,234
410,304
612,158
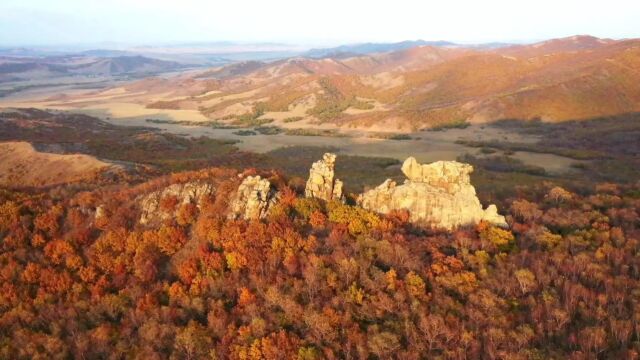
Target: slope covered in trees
316,280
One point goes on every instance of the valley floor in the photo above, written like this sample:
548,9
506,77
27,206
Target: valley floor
426,146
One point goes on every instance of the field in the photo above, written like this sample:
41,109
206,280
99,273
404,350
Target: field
20,163
504,154
116,107
407,90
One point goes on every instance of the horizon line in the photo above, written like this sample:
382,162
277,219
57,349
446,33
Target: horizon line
310,43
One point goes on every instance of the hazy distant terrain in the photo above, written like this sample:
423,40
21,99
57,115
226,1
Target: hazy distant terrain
26,68
84,67
410,86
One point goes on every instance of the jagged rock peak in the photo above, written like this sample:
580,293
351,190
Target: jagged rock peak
191,192
322,183
439,195
443,174
253,200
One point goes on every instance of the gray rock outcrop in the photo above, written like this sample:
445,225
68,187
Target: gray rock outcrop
439,195
322,183
253,200
191,192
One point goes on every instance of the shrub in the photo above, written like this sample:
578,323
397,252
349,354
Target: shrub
358,220
268,130
500,238
455,124
306,206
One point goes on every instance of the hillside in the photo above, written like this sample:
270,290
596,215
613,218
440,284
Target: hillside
578,77
370,48
280,180
204,251
569,44
413,88
23,166
87,274
38,68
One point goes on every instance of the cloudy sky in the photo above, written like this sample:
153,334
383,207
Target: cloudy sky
54,22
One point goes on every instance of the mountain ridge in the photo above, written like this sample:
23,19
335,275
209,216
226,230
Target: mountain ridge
426,86
418,87
372,47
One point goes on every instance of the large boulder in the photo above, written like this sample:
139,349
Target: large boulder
188,193
322,183
253,200
439,195
448,175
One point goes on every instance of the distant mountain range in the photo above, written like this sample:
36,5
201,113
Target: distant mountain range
224,52
344,51
397,86
29,68
427,85
231,51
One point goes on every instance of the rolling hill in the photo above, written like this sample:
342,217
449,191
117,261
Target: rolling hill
34,68
426,86
23,166
416,87
370,48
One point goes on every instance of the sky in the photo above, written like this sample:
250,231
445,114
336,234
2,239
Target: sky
321,22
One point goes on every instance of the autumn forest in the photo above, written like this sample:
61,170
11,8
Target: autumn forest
316,280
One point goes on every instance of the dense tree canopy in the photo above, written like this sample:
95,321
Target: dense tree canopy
317,280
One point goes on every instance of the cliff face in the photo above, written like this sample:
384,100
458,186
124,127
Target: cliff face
439,195
322,183
191,192
253,200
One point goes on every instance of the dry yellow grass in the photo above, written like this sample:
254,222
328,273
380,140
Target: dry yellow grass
23,166
416,88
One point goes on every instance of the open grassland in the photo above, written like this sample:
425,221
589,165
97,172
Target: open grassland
22,165
72,133
363,161
409,90
426,146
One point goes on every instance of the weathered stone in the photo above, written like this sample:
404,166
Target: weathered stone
337,190
439,195
100,212
322,183
253,200
191,192
448,175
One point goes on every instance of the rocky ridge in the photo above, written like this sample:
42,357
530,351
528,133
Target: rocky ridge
191,192
322,183
439,195
253,199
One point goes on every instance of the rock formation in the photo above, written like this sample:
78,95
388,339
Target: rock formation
191,192
322,183
439,195
253,200
100,212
